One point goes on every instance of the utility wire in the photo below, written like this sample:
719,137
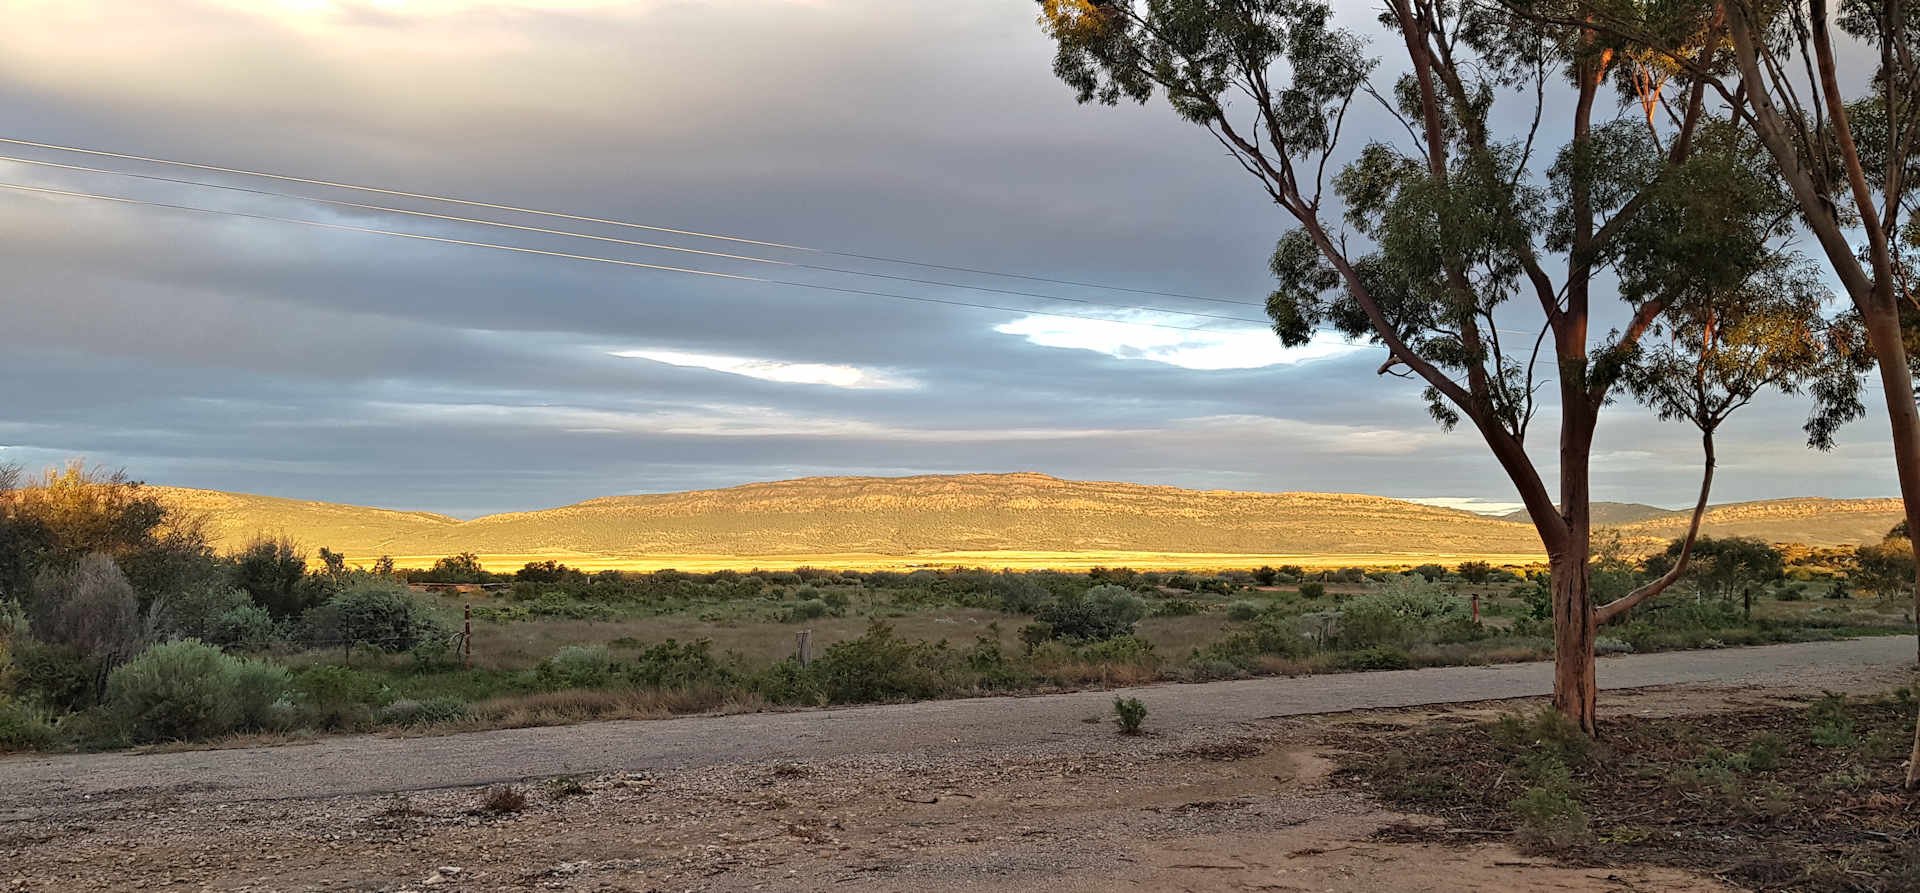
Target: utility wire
343,227
617,241
601,220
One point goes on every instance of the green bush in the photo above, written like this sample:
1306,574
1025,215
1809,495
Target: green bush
243,627
877,666
806,609
1270,635
1379,657
1131,650
1129,714
1177,607
672,664
1245,610
1549,816
1101,612
431,711
337,697
576,666
190,690
1017,594
59,677
373,613
22,728
1313,590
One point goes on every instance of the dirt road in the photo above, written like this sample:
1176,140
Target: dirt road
356,765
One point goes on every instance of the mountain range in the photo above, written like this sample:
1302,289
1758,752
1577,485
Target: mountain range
986,514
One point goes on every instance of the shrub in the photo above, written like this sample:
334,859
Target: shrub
672,664
371,612
1035,634
1549,816
1270,635
274,574
877,666
23,729
189,613
576,666
1177,607
432,711
59,677
90,607
1313,590
188,690
1244,610
806,609
1102,612
1830,724
502,799
1017,594
1120,650
1379,657
336,697
243,627
1129,714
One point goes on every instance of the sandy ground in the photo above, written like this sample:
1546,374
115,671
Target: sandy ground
1058,802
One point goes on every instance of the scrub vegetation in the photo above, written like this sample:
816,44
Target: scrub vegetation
120,626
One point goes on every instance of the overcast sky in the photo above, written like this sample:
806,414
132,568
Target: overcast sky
265,357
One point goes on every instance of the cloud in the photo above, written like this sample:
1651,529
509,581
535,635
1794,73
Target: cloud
1238,348
1473,504
835,375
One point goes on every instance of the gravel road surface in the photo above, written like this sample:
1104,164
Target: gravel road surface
365,764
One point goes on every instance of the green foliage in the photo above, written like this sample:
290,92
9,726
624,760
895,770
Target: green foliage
673,664
188,690
577,666
371,612
89,606
273,572
806,609
1313,590
462,568
58,677
1392,614
1129,714
1550,816
1378,657
1243,611
1177,607
878,666
1131,650
1830,724
1721,568
23,728
1101,612
431,711
1475,572
337,697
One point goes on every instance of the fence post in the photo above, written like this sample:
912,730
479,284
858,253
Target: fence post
1476,607
803,642
466,642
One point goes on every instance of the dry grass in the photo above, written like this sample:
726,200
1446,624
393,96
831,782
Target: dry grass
992,559
581,705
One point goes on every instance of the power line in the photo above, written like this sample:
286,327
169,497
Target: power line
610,239
344,227
601,220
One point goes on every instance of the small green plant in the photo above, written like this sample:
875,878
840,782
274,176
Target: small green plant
1764,752
1550,817
502,800
1313,590
576,666
1129,714
1830,724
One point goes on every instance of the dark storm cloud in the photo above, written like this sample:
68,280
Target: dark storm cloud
267,357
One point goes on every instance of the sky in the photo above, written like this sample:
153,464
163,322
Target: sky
259,356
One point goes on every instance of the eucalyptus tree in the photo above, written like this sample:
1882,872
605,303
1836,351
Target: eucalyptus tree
1849,156
1482,216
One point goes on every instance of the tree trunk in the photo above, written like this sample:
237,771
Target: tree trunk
1882,319
1575,686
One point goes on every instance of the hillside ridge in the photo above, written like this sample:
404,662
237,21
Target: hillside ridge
1019,512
